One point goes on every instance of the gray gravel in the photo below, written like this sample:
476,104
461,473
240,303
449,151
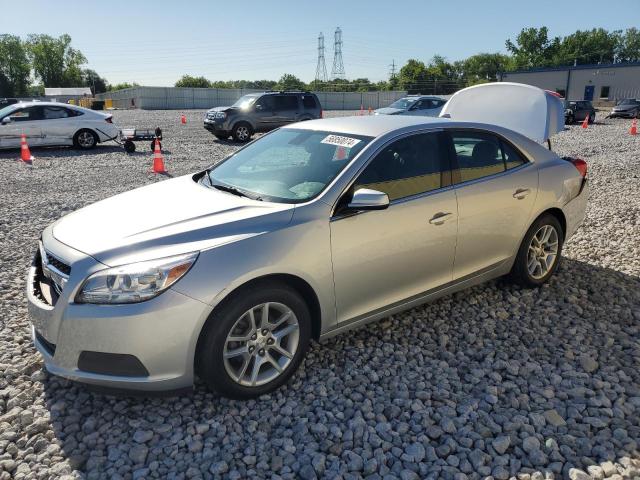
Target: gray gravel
491,382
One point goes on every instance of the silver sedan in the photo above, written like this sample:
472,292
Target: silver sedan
310,231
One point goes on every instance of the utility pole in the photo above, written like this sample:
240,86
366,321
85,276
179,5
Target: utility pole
392,73
338,67
321,69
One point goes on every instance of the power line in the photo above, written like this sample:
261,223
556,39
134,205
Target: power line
338,67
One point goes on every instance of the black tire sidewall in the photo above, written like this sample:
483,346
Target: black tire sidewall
209,361
520,272
77,144
571,119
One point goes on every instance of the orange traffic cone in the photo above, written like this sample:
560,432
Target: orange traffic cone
183,119
634,128
585,122
158,162
361,109
370,110
25,153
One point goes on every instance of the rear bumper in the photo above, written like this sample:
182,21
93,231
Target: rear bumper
147,346
575,210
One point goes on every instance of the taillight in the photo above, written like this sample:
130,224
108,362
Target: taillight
580,165
108,120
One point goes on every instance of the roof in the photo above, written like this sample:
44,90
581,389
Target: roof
52,92
594,66
369,125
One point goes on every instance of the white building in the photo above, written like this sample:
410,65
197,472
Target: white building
597,83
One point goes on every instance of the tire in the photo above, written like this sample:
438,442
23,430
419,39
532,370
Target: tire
242,132
227,374
85,139
570,119
129,146
222,137
592,118
521,272
153,145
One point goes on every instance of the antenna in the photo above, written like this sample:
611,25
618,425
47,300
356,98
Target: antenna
338,67
392,73
321,69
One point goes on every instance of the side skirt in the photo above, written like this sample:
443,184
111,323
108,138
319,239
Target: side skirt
489,273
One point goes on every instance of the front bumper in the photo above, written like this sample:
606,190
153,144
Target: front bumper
159,334
217,126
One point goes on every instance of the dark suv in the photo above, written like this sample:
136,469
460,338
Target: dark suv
578,111
261,112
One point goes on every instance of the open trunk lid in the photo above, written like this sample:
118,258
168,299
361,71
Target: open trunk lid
530,111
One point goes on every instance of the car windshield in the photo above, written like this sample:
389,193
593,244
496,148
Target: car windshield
245,101
628,101
403,103
4,111
288,165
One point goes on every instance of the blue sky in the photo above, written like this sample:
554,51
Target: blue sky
154,43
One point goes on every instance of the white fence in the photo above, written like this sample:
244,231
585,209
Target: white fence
174,98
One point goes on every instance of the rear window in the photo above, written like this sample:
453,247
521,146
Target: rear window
309,101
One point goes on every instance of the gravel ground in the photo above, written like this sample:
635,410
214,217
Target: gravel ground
494,381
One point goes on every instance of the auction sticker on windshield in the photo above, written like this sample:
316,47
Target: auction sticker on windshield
340,141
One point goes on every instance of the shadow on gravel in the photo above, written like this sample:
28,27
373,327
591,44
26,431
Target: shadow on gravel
495,380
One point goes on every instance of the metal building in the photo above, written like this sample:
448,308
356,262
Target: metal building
598,83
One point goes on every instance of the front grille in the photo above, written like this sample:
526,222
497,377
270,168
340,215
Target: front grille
49,347
58,264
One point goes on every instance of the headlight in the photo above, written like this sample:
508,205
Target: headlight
221,115
135,282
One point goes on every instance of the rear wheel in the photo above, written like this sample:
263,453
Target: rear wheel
129,146
539,253
254,342
242,132
85,139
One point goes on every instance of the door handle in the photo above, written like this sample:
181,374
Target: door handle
521,193
439,218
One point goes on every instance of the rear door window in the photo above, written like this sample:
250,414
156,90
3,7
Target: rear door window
52,113
286,102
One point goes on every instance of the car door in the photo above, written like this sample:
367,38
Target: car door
22,121
58,125
386,256
496,189
286,108
265,113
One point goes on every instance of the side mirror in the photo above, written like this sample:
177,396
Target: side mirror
366,199
6,120
259,107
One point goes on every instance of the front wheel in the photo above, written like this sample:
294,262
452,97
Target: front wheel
85,139
242,132
539,253
254,342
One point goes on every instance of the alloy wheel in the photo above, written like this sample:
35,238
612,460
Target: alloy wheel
261,344
86,139
242,133
543,252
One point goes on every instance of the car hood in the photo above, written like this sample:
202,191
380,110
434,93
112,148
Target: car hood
624,108
388,111
166,218
220,109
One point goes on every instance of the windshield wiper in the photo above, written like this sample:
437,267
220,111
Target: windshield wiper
233,190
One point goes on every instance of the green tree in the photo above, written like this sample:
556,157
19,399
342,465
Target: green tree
628,48
14,67
121,86
54,61
413,76
290,82
94,81
587,47
485,67
533,48
193,82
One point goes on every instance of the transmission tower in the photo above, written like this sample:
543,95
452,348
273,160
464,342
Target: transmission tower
338,67
392,73
321,69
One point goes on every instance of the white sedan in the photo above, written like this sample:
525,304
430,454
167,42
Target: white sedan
49,123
